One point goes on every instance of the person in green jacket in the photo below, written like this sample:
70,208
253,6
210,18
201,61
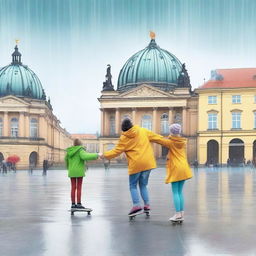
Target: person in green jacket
75,159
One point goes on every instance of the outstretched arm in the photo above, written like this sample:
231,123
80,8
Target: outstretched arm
66,160
87,156
159,139
119,149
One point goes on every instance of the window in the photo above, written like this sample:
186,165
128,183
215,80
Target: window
33,128
146,122
1,126
212,99
236,120
212,121
236,99
178,118
112,125
164,124
14,127
254,98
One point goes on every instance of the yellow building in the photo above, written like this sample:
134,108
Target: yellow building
153,90
227,117
28,127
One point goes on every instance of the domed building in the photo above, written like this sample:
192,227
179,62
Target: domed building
28,127
153,90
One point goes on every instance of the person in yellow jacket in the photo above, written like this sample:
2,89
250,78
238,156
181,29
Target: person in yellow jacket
135,143
177,168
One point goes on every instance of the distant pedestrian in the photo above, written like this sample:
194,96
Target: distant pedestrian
75,159
178,170
45,166
4,166
195,164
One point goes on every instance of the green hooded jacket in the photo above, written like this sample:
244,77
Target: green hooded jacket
75,159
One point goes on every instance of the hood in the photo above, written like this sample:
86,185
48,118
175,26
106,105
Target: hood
178,141
72,150
132,132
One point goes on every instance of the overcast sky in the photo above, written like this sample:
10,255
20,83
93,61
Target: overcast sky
68,43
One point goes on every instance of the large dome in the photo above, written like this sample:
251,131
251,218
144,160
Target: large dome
17,79
152,65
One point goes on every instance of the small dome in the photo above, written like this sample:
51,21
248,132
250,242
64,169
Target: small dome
152,65
17,79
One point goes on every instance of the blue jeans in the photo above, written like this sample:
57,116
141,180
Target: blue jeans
142,179
178,195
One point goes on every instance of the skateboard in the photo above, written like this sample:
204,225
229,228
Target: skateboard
176,222
132,216
88,210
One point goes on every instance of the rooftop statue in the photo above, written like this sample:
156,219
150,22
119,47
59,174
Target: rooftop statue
107,85
183,79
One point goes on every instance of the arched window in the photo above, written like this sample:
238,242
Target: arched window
14,127
112,125
1,126
33,157
236,151
164,124
33,128
212,152
146,122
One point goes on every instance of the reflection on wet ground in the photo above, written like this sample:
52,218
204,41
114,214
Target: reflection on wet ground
220,210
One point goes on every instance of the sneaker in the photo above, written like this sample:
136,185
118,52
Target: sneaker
135,209
176,217
73,206
80,206
146,207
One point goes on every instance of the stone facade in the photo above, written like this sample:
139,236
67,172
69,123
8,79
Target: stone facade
161,108
29,129
227,117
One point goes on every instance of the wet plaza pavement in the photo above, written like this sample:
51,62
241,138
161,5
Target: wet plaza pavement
220,211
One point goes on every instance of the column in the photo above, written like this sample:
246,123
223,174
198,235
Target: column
154,120
6,124
170,115
53,133
184,120
26,125
42,127
134,115
248,151
49,134
106,123
22,125
102,122
117,118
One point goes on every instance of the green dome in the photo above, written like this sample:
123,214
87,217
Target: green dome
152,65
17,79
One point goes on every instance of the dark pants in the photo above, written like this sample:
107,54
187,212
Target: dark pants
76,189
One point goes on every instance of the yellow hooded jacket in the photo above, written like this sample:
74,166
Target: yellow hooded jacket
135,143
177,167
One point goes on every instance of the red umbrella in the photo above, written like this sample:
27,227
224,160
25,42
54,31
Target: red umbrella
13,159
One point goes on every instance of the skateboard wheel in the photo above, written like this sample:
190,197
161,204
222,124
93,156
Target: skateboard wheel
89,213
